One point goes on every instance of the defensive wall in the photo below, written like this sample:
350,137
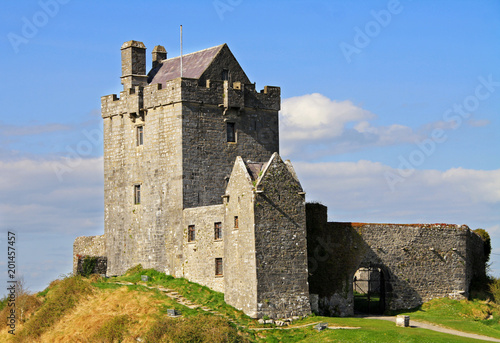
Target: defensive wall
417,262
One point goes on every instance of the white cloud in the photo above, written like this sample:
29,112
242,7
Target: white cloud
358,191
313,125
33,199
314,116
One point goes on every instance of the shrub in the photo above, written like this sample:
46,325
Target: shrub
495,289
487,242
88,265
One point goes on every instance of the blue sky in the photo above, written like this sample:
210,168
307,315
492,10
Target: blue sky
389,108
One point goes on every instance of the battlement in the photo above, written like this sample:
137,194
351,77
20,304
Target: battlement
217,93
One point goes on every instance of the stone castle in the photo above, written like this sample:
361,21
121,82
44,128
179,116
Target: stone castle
194,187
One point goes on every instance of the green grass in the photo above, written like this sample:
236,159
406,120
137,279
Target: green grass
370,331
194,292
196,325
468,316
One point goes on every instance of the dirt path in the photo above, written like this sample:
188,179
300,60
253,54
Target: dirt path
415,324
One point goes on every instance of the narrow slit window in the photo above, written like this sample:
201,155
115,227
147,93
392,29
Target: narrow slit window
231,133
236,222
137,194
140,135
191,233
225,75
218,266
217,231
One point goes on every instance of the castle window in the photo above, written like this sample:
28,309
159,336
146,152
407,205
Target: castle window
225,74
236,222
217,231
191,233
218,266
137,194
140,135
231,133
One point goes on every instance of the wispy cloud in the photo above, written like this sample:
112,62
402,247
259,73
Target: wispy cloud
356,191
33,199
30,130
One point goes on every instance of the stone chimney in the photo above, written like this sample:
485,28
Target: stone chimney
133,64
159,54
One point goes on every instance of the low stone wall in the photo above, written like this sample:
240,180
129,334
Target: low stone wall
100,266
417,262
89,246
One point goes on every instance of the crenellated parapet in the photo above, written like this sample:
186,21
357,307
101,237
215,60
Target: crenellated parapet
136,100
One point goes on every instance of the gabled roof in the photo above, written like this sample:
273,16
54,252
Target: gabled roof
193,66
254,169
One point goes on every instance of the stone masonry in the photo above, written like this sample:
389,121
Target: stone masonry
418,262
194,187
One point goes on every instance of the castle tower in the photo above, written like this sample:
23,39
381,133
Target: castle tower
170,144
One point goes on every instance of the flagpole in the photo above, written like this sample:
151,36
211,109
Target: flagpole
181,50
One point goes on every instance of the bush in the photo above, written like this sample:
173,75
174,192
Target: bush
494,288
487,242
88,265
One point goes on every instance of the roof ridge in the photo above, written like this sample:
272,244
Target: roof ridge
195,52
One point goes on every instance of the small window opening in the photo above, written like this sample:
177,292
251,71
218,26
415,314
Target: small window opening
231,134
236,222
217,231
191,233
137,194
140,135
218,266
225,75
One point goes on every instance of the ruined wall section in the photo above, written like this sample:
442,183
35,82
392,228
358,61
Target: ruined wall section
423,261
419,261
88,246
334,253
280,243
476,258
200,254
239,249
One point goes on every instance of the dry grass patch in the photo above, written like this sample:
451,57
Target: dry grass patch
97,316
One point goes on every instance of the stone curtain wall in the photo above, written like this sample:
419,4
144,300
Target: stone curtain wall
88,246
419,261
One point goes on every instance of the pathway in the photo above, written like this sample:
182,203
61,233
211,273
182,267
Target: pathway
415,324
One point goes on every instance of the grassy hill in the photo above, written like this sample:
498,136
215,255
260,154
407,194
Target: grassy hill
124,309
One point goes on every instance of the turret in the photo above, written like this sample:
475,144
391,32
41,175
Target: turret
159,54
133,64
